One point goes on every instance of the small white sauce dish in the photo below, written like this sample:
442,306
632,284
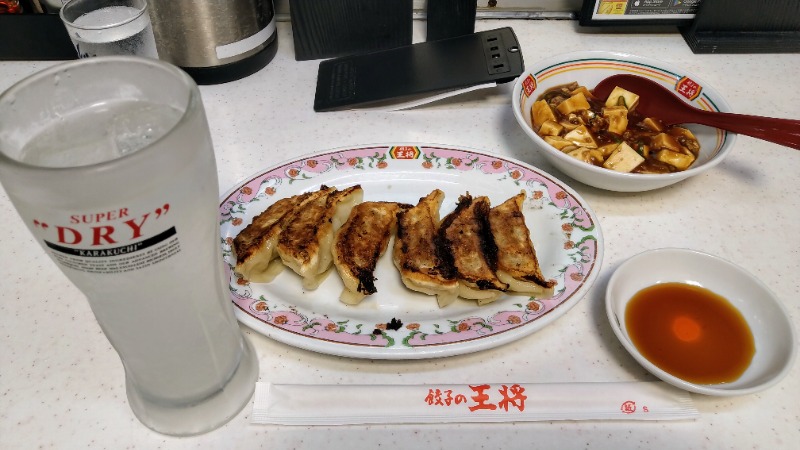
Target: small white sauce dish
773,331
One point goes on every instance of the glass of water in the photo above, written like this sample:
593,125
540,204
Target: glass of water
109,27
117,181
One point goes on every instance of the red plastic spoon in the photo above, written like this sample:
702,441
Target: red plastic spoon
657,101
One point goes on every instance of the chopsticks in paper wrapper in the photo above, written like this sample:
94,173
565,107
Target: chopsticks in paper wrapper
298,404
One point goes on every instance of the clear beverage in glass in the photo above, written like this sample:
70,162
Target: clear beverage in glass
110,164
109,27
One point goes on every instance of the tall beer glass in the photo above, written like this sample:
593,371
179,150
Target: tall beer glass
109,162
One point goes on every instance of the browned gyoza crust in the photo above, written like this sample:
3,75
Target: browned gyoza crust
516,254
247,242
299,245
299,238
415,253
255,245
362,240
467,240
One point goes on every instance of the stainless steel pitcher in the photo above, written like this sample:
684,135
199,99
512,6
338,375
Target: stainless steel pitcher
215,41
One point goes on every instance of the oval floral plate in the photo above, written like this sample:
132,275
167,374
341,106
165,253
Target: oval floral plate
395,322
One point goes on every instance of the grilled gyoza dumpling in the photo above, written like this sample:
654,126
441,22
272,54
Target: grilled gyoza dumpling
415,252
467,238
517,264
359,244
304,245
256,258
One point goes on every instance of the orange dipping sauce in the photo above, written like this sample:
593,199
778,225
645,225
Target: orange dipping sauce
690,332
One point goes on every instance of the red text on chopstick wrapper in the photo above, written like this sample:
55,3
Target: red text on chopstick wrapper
629,407
483,397
439,397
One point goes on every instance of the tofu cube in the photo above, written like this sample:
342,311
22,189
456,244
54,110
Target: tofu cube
583,90
541,113
608,149
653,124
665,141
573,104
623,159
559,143
570,123
582,137
551,128
687,140
680,161
617,117
622,97
679,132
592,156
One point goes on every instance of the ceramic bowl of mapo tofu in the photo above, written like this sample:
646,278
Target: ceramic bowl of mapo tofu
606,142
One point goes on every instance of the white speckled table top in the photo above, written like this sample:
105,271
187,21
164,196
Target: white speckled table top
62,385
